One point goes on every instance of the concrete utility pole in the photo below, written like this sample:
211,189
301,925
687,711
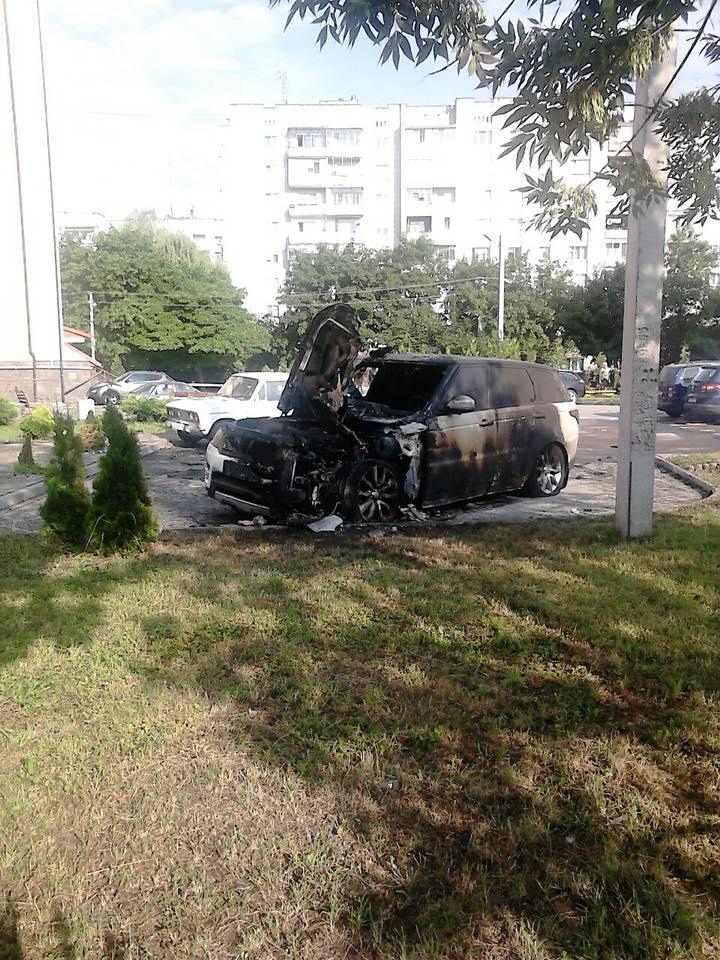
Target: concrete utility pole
501,290
91,321
642,317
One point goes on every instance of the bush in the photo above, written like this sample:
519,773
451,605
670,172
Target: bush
92,435
39,424
145,408
66,509
8,412
121,512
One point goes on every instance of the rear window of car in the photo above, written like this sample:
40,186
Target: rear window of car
405,386
512,387
549,385
706,374
667,374
688,374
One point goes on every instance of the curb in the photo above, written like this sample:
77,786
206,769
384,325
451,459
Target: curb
36,489
702,486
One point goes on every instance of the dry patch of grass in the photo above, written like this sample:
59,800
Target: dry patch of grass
703,465
494,744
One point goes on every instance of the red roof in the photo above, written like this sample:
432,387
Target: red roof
76,333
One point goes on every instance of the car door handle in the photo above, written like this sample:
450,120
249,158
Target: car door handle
485,423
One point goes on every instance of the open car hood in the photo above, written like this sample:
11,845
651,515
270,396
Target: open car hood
323,362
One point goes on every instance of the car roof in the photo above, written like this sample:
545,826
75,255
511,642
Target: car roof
452,359
260,374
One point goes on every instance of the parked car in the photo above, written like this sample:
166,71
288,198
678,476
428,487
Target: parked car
431,430
165,390
574,384
242,395
673,385
703,395
114,391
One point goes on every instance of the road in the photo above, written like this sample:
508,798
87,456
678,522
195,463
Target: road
599,434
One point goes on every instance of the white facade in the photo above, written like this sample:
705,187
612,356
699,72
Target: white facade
30,327
300,175
206,233
334,173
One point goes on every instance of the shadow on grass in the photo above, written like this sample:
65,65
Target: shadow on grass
465,696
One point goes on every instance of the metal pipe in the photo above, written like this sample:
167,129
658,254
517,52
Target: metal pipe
23,243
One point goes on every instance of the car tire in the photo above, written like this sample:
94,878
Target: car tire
573,396
372,492
184,440
549,473
112,399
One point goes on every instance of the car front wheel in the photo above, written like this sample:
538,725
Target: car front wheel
549,473
372,492
112,398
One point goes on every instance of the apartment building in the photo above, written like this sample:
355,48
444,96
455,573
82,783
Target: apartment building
300,175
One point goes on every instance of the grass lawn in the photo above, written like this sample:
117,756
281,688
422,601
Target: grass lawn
500,743
10,433
600,396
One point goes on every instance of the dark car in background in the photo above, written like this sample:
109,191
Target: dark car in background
702,401
673,385
431,430
573,383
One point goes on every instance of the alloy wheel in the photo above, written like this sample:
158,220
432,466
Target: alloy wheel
377,493
549,470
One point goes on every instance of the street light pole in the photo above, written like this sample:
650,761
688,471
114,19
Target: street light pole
642,317
501,291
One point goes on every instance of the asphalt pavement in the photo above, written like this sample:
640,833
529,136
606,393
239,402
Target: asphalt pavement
599,434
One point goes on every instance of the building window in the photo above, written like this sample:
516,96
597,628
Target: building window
435,134
346,196
416,226
308,138
275,258
616,221
198,236
480,253
301,226
447,223
444,193
343,136
580,164
483,138
578,253
616,250
544,253
420,194
343,161
446,253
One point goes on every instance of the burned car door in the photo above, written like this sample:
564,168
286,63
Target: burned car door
513,396
461,444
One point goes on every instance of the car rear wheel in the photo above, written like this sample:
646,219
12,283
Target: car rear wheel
112,398
372,492
549,473
573,395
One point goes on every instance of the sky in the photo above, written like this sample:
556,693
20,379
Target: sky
138,91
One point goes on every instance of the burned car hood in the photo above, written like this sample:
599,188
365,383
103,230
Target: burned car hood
323,362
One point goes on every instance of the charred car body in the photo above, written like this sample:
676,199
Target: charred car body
431,430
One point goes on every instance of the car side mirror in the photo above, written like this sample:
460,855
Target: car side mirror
460,404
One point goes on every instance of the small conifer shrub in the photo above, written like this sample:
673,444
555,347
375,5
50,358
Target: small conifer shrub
66,509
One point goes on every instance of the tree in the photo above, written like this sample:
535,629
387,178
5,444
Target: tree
121,512
688,264
569,71
66,508
161,303
410,298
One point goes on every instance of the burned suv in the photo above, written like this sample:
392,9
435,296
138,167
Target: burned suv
428,431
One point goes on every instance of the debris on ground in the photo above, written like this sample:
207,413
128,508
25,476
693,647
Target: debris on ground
327,524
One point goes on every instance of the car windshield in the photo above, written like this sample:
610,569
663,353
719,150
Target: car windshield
241,388
405,386
707,373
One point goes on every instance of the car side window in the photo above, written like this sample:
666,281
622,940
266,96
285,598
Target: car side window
261,394
512,387
137,378
274,389
470,381
550,386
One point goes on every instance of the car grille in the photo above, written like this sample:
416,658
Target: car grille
184,416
